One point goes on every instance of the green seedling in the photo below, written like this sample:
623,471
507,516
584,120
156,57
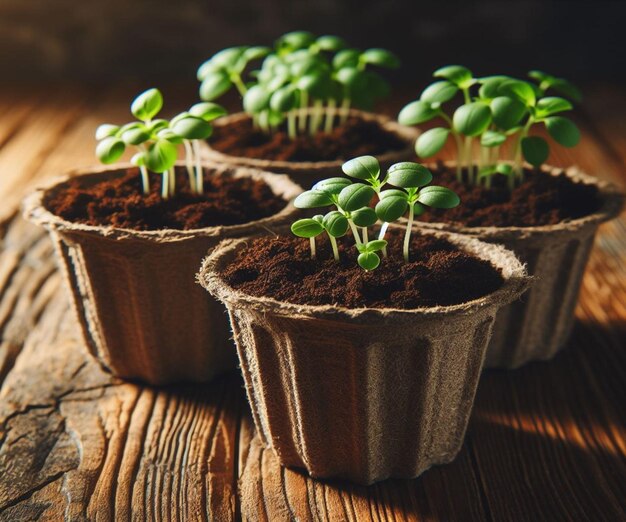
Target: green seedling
305,81
494,109
157,140
352,197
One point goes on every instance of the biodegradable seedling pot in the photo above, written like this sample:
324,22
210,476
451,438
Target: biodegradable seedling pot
141,312
537,326
306,173
362,394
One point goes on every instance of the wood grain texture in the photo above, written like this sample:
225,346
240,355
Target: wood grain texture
547,442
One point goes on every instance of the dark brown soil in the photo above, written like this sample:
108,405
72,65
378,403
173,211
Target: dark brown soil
438,274
354,138
541,199
121,203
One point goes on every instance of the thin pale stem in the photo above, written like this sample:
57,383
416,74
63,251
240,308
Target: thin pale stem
291,125
189,165
165,185
365,235
345,108
145,180
199,173
172,178
304,102
330,115
316,119
313,253
355,232
407,235
333,243
381,235
238,82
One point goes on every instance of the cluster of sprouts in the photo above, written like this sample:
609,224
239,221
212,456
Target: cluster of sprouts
157,140
304,80
403,190
494,109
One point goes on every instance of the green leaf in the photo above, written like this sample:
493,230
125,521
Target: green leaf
375,245
408,174
313,199
330,43
306,228
157,125
504,168
392,207
362,167
229,57
551,105
206,69
490,86
106,130
416,112
346,58
214,85
380,57
169,135
207,111
492,138
563,130
439,92
351,77
147,105
457,74
135,136
256,99
431,142
110,149
364,217
161,156
535,150
438,197
472,119
332,185
138,159
283,99
192,128
355,196
520,90
315,83
296,40
368,260
256,53
507,112
567,89
335,223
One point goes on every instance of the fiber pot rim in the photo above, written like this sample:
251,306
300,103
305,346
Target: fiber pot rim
34,209
516,281
610,196
407,134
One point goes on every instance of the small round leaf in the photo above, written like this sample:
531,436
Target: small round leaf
408,174
364,217
355,196
391,208
416,112
161,156
330,43
192,128
307,228
346,58
431,142
520,90
492,138
439,92
283,100
214,85
535,150
362,167
563,130
457,74
472,119
110,149
438,197
256,99
135,136
313,199
147,105
552,105
332,185
335,223
507,112
368,260
106,130
207,111
380,57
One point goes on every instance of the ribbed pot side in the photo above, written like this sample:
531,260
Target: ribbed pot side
306,173
362,394
538,325
134,292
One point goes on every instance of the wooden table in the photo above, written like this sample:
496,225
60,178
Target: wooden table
547,442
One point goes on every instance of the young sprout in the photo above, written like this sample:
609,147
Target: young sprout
352,200
157,140
303,80
500,108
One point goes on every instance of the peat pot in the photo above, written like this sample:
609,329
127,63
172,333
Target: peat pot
142,314
538,325
306,173
362,394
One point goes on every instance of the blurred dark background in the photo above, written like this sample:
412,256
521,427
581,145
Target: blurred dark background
107,40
